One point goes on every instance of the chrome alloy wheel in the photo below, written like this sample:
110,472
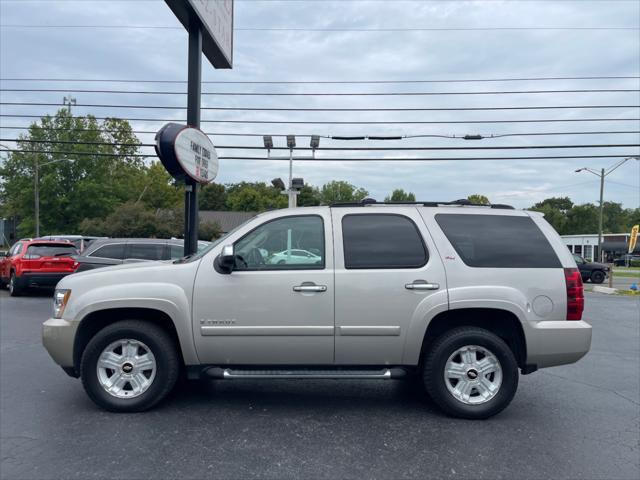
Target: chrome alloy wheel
473,375
126,368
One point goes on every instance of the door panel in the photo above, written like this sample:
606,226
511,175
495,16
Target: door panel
266,313
383,294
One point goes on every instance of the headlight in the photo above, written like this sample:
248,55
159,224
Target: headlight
60,299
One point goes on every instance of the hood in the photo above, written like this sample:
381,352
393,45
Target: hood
161,271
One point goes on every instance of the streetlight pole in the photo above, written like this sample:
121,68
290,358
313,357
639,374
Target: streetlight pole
602,174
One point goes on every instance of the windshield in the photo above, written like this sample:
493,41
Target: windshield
201,253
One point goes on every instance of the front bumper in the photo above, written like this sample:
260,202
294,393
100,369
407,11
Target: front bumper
57,337
560,342
37,279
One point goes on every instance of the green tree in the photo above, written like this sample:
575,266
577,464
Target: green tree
157,189
582,219
477,198
130,219
213,197
555,210
399,195
614,218
341,191
309,196
209,231
82,172
254,197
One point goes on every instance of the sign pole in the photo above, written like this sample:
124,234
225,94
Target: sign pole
193,120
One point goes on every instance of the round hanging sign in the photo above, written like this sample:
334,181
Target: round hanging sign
187,152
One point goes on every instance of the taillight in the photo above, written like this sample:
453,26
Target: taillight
75,265
575,293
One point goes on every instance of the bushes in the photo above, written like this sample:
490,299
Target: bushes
133,219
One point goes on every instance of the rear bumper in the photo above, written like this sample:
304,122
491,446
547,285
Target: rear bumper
37,279
557,342
57,337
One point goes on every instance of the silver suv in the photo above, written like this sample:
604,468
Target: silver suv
458,297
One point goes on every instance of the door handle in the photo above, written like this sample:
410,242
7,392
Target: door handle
421,285
310,288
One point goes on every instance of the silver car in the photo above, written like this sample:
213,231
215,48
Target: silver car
461,298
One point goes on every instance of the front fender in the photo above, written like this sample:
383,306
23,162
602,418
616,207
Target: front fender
165,297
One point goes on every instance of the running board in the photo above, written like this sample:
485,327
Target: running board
313,374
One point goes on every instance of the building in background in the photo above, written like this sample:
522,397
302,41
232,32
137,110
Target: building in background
227,220
614,245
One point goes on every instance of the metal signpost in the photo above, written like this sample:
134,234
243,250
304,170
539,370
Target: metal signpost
210,27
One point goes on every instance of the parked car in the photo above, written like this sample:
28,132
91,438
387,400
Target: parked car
81,242
628,259
36,263
442,291
593,271
116,251
293,256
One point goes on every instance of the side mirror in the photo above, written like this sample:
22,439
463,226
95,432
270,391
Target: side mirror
226,260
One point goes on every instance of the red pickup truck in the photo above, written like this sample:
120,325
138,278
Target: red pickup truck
36,263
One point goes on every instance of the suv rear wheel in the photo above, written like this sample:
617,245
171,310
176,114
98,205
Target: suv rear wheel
129,366
470,373
14,289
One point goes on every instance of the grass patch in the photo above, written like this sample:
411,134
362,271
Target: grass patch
626,274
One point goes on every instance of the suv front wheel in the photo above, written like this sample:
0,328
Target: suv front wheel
470,373
129,366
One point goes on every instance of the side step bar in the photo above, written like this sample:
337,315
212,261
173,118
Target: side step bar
235,373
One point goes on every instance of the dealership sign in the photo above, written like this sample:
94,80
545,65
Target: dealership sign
187,152
216,18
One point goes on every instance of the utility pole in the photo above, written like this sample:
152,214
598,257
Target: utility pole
602,174
600,219
36,194
193,120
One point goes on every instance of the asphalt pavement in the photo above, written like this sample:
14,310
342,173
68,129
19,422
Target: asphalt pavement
575,421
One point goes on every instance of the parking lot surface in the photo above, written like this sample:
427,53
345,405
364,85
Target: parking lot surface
576,421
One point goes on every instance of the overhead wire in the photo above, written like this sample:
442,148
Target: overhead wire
324,109
349,148
338,137
325,82
336,122
320,94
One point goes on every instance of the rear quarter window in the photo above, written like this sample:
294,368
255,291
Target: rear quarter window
498,241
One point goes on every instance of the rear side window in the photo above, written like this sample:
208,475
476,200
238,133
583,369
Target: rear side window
146,251
382,241
37,251
498,241
114,251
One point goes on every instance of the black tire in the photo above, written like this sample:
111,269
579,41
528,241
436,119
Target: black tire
161,345
14,289
597,276
3,283
436,359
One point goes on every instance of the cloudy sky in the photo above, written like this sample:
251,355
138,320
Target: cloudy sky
346,41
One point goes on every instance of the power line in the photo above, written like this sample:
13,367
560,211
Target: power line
391,159
320,82
414,148
328,29
315,122
361,137
305,109
320,94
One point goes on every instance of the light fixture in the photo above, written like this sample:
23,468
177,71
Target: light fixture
278,183
291,141
268,141
297,183
315,141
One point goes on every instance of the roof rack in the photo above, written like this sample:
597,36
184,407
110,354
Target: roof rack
460,202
